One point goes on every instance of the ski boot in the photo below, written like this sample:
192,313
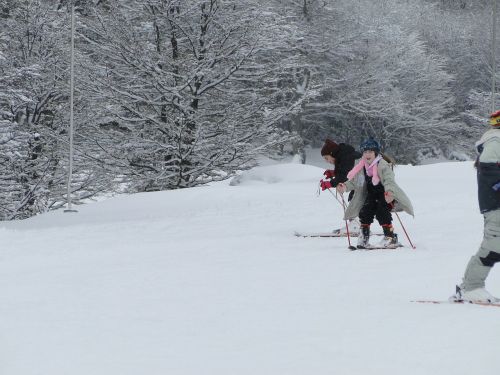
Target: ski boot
390,239
478,295
457,297
363,236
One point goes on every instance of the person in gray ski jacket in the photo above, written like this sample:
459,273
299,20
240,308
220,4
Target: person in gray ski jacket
376,194
472,288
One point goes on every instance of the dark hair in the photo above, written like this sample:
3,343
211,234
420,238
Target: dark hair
329,148
389,159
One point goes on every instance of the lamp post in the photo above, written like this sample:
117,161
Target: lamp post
71,125
493,55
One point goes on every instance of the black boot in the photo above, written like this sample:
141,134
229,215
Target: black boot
364,236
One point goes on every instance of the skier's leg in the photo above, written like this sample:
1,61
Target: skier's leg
383,214
368,210
384,218
480,264
366,215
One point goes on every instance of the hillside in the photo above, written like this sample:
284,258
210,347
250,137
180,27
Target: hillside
211,280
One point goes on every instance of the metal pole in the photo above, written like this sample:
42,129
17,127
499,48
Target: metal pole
493,55
350,247
71,88
406,233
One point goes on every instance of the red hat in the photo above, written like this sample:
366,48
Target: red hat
329,148
495,119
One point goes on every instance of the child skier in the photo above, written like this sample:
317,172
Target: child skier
376,195
343,157
488,180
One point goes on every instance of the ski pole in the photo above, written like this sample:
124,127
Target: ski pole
351,247
406,233
338,200
343,202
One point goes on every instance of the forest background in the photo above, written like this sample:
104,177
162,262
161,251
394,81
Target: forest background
177,93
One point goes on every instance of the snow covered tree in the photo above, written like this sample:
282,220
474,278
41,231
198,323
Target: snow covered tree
182,96
34,109
31,69
370,66
463,37
172,94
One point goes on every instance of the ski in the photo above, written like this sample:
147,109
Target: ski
325,234
370,247
330,234
458,302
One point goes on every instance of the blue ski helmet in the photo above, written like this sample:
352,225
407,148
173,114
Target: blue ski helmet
370,144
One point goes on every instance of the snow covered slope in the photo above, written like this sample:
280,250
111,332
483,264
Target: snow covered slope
211,280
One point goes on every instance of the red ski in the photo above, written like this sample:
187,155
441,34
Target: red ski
325,234
436,302
374,247
330,234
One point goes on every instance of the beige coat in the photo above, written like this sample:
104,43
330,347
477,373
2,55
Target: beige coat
358,184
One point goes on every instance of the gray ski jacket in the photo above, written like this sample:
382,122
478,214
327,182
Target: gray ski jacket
358,184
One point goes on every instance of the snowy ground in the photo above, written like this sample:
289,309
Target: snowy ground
211,280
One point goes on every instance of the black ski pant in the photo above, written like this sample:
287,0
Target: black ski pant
375,206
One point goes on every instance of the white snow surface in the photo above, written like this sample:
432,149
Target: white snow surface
211,280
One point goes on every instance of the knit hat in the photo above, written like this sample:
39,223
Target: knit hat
370,144
329,148
495,119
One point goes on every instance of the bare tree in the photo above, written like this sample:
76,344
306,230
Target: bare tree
180,80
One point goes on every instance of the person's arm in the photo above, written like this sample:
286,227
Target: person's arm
342,187
387,178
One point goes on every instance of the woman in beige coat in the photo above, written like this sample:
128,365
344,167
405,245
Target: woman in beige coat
376,195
